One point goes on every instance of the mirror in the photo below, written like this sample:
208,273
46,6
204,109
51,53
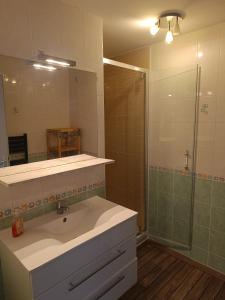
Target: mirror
45,114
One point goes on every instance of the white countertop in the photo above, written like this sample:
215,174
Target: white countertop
45,238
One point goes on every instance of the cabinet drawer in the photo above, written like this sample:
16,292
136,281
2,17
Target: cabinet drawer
55,271
116,286
82,284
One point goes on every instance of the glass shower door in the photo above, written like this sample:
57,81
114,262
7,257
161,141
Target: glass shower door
172,155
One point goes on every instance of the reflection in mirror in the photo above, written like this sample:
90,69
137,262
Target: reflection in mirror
45,114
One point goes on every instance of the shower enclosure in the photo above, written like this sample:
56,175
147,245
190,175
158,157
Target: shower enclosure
173,125
151,124
125,136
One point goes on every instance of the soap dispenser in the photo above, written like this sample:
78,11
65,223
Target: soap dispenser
17,223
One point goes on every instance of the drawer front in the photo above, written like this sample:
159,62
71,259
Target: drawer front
57,270
117,285
87,281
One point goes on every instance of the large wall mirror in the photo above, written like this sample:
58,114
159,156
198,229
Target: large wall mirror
45,114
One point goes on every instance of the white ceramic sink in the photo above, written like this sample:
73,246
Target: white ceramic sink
51,235
80,219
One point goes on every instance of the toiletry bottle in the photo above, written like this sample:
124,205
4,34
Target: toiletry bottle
17,223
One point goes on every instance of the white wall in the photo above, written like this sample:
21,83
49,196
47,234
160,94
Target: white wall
206,48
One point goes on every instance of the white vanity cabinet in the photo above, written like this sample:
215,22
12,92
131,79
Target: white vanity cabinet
99,264
112,273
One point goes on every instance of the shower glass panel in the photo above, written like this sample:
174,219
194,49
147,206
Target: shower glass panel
172,149
125,138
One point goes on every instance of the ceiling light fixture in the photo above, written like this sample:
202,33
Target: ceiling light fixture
169,21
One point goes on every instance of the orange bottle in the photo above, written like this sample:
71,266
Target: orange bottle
17,223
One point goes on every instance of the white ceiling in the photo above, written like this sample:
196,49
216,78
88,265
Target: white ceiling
122,30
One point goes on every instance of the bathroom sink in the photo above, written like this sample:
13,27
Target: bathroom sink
81,219
49,236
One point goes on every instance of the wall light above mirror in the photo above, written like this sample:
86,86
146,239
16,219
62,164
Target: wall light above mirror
51,63
53,60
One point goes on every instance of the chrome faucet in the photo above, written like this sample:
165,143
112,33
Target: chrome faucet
61,209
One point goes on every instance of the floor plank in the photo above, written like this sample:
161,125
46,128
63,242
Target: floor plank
162,275
154,266
167,290
212,289
198,289
184,288
144,248
147,257
221,293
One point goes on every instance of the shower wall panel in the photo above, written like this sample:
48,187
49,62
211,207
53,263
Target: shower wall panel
125,138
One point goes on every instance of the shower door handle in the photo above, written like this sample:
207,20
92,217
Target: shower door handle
187,156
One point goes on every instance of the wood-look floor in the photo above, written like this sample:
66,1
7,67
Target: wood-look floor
164,274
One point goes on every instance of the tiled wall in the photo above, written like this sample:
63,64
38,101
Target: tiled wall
170,189
42,206
170,204
72,32
206,48
169,211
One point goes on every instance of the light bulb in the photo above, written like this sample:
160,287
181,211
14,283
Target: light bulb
169,37
176,28
154,30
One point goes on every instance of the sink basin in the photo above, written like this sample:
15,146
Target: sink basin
80,219
51,235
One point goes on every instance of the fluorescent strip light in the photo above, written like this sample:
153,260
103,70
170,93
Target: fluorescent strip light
57,62
39,66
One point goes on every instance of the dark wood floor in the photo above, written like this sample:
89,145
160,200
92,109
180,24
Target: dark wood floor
164,274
